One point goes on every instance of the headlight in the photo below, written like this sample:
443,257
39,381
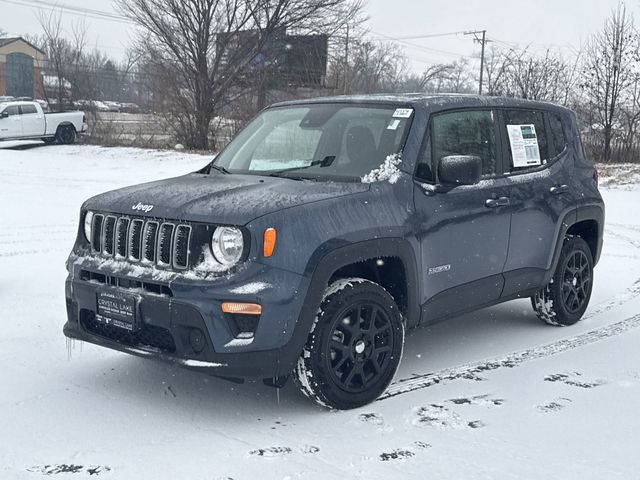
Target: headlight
88,222
227,245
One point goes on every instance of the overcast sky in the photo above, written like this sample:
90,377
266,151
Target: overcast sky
563,24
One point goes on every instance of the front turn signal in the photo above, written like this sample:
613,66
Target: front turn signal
242,308
269,242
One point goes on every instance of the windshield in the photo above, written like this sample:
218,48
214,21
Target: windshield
318,140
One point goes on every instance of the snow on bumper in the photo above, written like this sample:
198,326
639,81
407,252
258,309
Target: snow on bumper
179,317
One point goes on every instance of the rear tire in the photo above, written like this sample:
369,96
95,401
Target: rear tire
354,347
66,135
564,300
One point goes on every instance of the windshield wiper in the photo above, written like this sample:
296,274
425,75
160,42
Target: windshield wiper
283,174
325,162
219,168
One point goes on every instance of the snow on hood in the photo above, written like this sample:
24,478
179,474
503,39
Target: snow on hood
230,199
387,171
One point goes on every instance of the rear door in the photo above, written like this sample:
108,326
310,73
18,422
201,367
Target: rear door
464,232
11,126
541,193
32,121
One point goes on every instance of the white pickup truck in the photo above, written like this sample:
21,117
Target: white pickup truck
26,120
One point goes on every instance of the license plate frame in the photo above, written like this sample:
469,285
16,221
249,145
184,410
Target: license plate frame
117,309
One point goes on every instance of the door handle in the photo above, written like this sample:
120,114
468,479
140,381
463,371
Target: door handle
497,202
559,189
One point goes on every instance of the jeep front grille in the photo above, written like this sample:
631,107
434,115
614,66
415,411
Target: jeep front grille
165,244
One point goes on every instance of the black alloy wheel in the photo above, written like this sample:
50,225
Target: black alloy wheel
565,298
576,281
360,347
354,347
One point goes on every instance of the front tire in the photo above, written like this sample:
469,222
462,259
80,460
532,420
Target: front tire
564,300
354,347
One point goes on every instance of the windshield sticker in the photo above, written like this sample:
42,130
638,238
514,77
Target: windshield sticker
524,145
393,125
403,113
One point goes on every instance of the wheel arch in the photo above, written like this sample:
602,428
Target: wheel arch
390,262
64,124
586,222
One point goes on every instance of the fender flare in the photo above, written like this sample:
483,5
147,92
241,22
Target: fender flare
593,212
324,263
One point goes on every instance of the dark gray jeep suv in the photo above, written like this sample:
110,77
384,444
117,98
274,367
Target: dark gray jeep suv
328,227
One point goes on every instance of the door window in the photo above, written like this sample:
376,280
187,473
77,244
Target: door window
28,109
466,132
12,110
527,139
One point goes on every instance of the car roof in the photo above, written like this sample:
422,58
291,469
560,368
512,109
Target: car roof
432,102
16,103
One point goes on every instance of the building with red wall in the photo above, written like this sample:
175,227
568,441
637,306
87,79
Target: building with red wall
21,65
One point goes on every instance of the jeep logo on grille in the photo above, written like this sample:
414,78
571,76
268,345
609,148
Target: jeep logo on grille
142,207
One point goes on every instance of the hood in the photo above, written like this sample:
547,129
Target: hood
231,199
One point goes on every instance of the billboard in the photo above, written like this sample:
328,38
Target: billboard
283,61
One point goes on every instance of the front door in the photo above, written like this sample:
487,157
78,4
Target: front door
11,126
463,232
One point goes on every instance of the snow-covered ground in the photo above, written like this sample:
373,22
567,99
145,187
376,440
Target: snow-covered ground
494,394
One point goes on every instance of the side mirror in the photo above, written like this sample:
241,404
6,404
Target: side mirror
4,114
455,170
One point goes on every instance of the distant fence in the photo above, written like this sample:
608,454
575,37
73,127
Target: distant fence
622,150
145,130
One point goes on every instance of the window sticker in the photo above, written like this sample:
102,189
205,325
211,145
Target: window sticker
524,145
393,125
403,113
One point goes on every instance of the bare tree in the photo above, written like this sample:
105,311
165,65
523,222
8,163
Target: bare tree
520,73
496,65
611,60
58,52
373,67
203,49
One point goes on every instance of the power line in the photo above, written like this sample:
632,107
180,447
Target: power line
416,46
426,35
73,10
546,46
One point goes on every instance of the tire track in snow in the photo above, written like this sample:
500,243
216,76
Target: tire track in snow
22,230
44,239
472,370
635,228
635,243
33,252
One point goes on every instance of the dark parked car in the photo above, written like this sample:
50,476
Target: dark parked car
329,227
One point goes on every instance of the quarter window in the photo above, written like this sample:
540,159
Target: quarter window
466,132
424,170
557,133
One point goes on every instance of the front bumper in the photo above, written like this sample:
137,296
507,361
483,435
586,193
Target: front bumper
180,320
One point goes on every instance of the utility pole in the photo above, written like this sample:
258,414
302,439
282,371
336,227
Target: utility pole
482,41
346,63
